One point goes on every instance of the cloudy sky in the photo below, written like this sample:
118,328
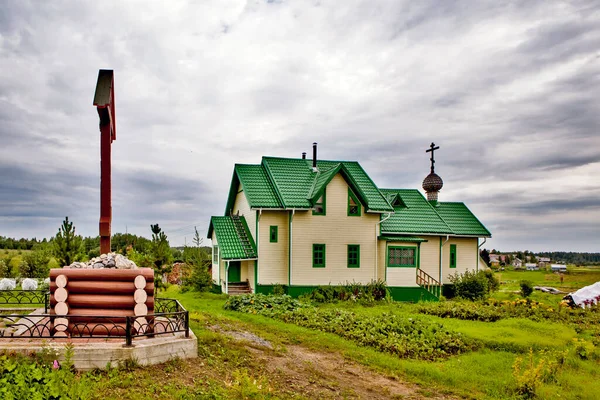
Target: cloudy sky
509,91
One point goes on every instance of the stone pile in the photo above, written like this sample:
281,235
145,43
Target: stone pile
110,260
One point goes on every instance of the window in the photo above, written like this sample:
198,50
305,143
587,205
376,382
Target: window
402,256
353,204
318,256
273,234
215,254
353,256
320,205
452,256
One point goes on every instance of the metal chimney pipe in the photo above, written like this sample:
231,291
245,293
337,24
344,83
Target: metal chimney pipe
314,155
304,155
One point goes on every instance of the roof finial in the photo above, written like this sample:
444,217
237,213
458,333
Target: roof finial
432,148
432,183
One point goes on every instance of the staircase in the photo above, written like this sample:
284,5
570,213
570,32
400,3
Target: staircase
241,231
429,283
237,288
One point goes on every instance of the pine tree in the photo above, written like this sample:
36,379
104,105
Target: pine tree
67,245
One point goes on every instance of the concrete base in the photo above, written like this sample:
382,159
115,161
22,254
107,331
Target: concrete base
97,353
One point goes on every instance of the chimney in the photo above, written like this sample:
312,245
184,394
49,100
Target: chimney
315,157
304,155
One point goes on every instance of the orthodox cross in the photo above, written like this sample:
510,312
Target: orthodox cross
432,148
104,100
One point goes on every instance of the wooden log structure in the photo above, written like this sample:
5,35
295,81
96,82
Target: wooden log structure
79,298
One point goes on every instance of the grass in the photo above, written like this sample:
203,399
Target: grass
230,369
483,374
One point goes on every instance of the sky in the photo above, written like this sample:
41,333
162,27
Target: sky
507,89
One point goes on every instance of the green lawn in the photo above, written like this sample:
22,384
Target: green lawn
487,373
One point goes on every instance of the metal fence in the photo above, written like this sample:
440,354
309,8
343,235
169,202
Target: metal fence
169,317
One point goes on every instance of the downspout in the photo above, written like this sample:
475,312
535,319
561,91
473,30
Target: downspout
259,213
290,238
227,277
441,256
377,244
478,251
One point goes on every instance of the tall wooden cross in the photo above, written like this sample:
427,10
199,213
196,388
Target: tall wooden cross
104,100
432,148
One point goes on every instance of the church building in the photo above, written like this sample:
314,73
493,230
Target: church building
301,223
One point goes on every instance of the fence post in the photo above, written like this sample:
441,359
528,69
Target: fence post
128,339
46,298
187,324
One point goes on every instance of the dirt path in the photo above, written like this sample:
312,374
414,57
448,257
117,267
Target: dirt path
322,375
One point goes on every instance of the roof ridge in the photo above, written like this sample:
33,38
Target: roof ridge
266,167
436,213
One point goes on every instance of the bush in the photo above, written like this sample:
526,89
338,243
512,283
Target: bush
200,280
471,285
526,288
493,282
351,291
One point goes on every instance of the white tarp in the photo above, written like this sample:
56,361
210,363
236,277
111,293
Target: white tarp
8,284
29,284
586,293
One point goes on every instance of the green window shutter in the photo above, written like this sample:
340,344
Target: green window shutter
353,256
353,204
318,256
402,256
215,254
273,234
452,256
320,204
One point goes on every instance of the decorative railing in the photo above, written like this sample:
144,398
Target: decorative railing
21,297
169,317
429,283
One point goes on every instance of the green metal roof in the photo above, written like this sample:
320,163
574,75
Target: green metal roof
461,220
231,238
417,217
291,183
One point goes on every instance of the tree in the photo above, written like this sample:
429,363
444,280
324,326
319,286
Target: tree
67,245
485,256
160,251
199,259
35,264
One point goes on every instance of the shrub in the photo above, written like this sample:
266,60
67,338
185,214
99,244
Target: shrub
526,288
200,279
4,269
278,290
373,291
493,282
470,285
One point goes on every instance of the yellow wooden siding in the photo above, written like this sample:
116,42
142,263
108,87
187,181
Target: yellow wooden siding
242,207
466,256
215,267
430,256
336,230
397,276
273,257
247,272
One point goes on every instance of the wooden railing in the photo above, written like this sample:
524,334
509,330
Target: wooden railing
429,283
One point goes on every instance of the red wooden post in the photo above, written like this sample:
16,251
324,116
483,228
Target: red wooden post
104,100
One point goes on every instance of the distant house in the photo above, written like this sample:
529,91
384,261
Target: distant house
544,259
517,262
495,260
531,267
558,267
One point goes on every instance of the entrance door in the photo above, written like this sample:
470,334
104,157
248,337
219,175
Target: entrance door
235,271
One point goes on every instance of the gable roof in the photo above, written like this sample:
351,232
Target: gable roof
417,217
291,183
461,220
233,237
415,214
